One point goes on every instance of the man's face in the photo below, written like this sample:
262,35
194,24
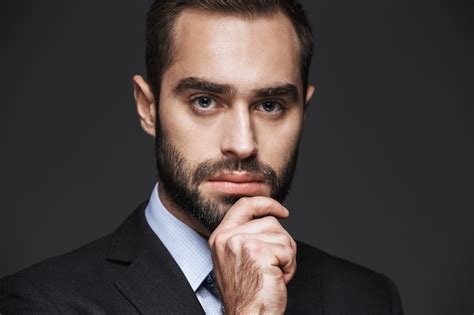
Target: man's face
230,112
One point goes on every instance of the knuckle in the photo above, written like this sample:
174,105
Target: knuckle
290,252
244,201
220,240
271,220
285,252
234,243
276,274
269,203
251,247
286,239
272,202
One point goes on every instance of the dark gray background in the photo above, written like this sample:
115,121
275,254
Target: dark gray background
385,172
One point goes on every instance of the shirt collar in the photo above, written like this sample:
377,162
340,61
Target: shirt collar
189,249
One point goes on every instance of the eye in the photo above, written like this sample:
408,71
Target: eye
270,107
203,102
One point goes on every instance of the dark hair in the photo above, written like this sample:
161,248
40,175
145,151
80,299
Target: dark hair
163,13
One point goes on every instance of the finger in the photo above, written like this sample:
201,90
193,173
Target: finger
269,255
268,224
269,237
261,225
250,208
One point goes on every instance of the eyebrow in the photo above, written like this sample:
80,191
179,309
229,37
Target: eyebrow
281,90
193,83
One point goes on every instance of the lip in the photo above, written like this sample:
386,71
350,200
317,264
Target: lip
238,183
237,177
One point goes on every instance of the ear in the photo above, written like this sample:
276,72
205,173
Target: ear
309,95
146,105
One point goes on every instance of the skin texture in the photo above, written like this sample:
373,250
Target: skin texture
254,257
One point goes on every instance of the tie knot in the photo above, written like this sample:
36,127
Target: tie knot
211,285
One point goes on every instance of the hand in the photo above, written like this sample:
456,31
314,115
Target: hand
254,257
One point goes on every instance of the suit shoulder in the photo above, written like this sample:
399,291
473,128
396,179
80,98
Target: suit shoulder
347,283
82,280
336,268
59,271
73,262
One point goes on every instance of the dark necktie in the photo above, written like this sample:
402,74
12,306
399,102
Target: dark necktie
211,285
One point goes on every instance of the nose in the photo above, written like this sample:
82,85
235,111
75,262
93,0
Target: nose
238,134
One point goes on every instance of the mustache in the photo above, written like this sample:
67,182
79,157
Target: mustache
211,167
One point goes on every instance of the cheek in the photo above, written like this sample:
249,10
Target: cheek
195,140
276,144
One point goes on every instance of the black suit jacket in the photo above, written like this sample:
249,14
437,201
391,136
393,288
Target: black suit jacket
130,271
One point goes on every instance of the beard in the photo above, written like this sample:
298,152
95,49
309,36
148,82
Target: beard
180,180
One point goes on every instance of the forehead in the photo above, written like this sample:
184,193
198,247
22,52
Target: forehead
241,51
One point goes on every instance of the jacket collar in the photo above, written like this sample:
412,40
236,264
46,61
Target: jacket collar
153,282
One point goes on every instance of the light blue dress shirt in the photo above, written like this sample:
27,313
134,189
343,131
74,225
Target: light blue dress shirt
189,249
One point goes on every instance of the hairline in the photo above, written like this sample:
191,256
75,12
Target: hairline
242,15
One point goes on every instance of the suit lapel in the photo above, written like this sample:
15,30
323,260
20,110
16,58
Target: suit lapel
153,282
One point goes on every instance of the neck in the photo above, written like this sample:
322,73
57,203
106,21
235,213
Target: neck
180,214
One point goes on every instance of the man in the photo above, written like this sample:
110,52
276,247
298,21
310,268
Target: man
225,99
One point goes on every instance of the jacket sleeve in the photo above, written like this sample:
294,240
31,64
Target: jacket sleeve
20,296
